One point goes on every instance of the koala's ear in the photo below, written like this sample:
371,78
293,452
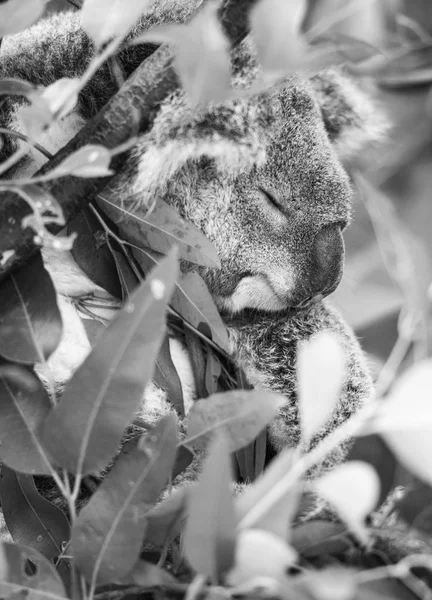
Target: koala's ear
233,135
352,118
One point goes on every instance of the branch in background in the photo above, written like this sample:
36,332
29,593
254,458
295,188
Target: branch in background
152,81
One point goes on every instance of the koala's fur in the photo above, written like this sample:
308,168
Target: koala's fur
212,164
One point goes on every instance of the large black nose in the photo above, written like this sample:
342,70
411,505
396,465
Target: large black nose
327,259
325,266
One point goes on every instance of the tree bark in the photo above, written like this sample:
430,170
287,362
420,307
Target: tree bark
145,89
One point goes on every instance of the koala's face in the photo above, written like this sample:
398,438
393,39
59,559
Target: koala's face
278,225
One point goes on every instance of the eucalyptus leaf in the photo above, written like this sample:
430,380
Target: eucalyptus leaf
161,228
279,519
40,583
16,87
103,20
84,431
167,378
22,413
148,576
16,15
107,536
318,538
89,161
353,489
166,519
30,321
194,303
30,519
210,533
92,253
191,299
205,75
239,414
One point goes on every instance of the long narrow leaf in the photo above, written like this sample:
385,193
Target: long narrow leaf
30,518
100,401
191,300
22,413
30,321
106,539
240,415
210,538
162,228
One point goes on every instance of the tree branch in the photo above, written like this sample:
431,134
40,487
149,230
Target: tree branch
145,89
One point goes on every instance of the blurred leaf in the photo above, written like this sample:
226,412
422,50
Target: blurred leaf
166,377
275,28
161,228
45,211
84,431
15,87
184,458
148,576
205,75
36,118
405,418
331,583
353,489
30,321
44,205
405,258
260,554
279,520
107,536
23,377
210,532
166,519
103,20
32,520
92,254
192,300
27,574
415,507
16,15
89,161
321,373
343,49
22,413
373,450
319,538
240,415
61,96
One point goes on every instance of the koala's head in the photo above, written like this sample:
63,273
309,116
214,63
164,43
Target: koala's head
263,179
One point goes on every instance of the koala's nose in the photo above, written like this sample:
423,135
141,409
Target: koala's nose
327,260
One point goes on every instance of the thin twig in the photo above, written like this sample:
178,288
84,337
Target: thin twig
27,140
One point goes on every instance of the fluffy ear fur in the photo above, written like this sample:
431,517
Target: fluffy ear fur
352,118
236,135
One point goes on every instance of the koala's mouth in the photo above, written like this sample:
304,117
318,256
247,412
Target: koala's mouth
256,293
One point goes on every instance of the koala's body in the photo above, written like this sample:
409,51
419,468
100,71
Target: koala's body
262,177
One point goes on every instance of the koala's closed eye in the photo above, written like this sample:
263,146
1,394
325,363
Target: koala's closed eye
272,199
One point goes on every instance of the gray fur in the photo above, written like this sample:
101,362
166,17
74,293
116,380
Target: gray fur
210,164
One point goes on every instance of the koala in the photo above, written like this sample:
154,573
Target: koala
261,176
